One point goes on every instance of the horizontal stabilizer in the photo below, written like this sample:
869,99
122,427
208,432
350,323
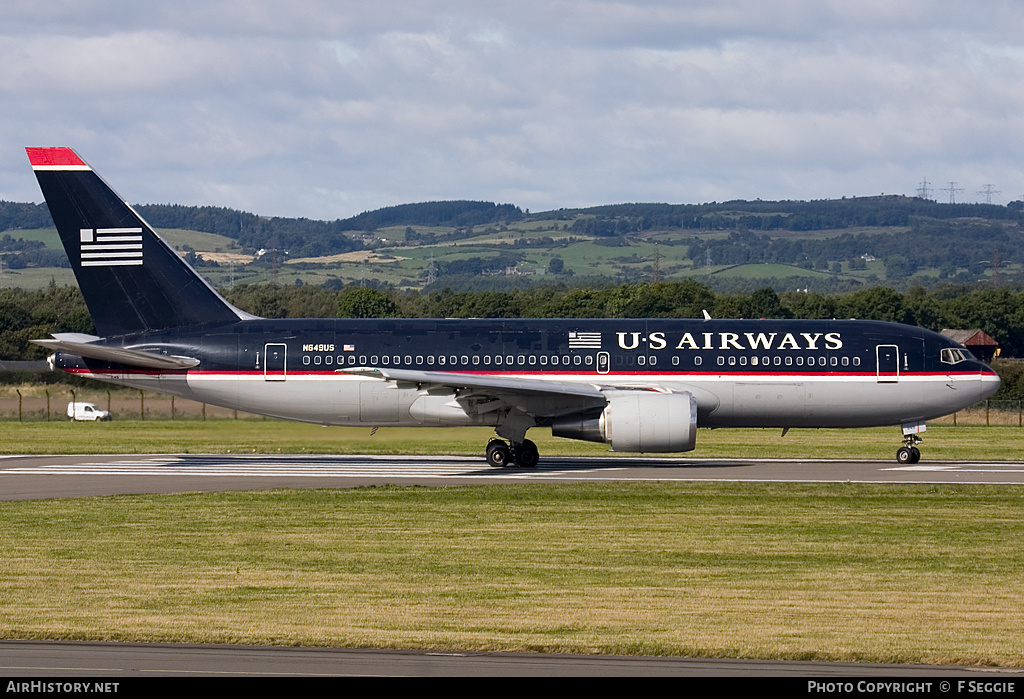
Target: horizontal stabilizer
77,344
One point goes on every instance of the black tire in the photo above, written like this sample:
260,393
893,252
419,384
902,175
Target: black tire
498,454
526,454
915,455
904,456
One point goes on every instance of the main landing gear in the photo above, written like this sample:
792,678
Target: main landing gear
909,453
502,454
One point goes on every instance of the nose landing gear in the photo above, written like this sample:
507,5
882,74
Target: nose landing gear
909,453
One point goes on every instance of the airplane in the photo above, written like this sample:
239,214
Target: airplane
639,385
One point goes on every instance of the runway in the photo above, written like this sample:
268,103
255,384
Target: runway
161,660
32,477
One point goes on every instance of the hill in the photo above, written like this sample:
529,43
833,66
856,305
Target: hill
828,246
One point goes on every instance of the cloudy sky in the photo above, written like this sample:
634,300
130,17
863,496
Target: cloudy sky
325,109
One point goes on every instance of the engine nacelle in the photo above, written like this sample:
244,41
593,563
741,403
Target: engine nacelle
637,421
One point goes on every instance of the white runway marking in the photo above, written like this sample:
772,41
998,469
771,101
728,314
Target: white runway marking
963,467
262,466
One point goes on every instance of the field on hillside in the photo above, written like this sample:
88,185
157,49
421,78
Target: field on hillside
532,244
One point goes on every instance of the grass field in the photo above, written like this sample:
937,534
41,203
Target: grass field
846,572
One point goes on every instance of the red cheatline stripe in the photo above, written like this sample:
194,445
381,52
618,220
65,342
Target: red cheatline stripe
54,157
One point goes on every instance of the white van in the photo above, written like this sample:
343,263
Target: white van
86,411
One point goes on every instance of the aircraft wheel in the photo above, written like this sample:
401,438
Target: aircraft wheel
904,455
915,455
498,454
526,454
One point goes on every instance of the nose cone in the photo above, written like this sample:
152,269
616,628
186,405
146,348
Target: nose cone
989,383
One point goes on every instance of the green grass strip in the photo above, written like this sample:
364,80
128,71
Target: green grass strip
272,436
881,573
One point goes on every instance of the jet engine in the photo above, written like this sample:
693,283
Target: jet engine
637,421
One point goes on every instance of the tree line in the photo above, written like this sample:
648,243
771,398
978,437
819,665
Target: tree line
826,214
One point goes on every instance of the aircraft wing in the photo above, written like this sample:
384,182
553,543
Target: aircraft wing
84,346
459,381
537,397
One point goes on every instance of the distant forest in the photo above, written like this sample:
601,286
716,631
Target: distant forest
302,237
826,214
310,238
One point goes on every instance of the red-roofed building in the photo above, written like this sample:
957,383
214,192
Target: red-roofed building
977,341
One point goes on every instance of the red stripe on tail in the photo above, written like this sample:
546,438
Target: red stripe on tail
54,157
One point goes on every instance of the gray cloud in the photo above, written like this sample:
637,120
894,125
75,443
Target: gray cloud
326,109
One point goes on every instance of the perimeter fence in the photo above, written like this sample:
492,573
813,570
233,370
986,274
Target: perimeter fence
49,403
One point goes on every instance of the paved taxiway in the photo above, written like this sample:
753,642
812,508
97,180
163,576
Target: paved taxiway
32,477
90,659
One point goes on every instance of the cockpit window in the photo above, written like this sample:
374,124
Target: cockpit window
955,355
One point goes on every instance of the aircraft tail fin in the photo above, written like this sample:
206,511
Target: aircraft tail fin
132,280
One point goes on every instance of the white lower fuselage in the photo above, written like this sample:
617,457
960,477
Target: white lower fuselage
723,400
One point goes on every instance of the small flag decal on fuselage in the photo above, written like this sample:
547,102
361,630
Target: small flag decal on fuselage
578,340
111,247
